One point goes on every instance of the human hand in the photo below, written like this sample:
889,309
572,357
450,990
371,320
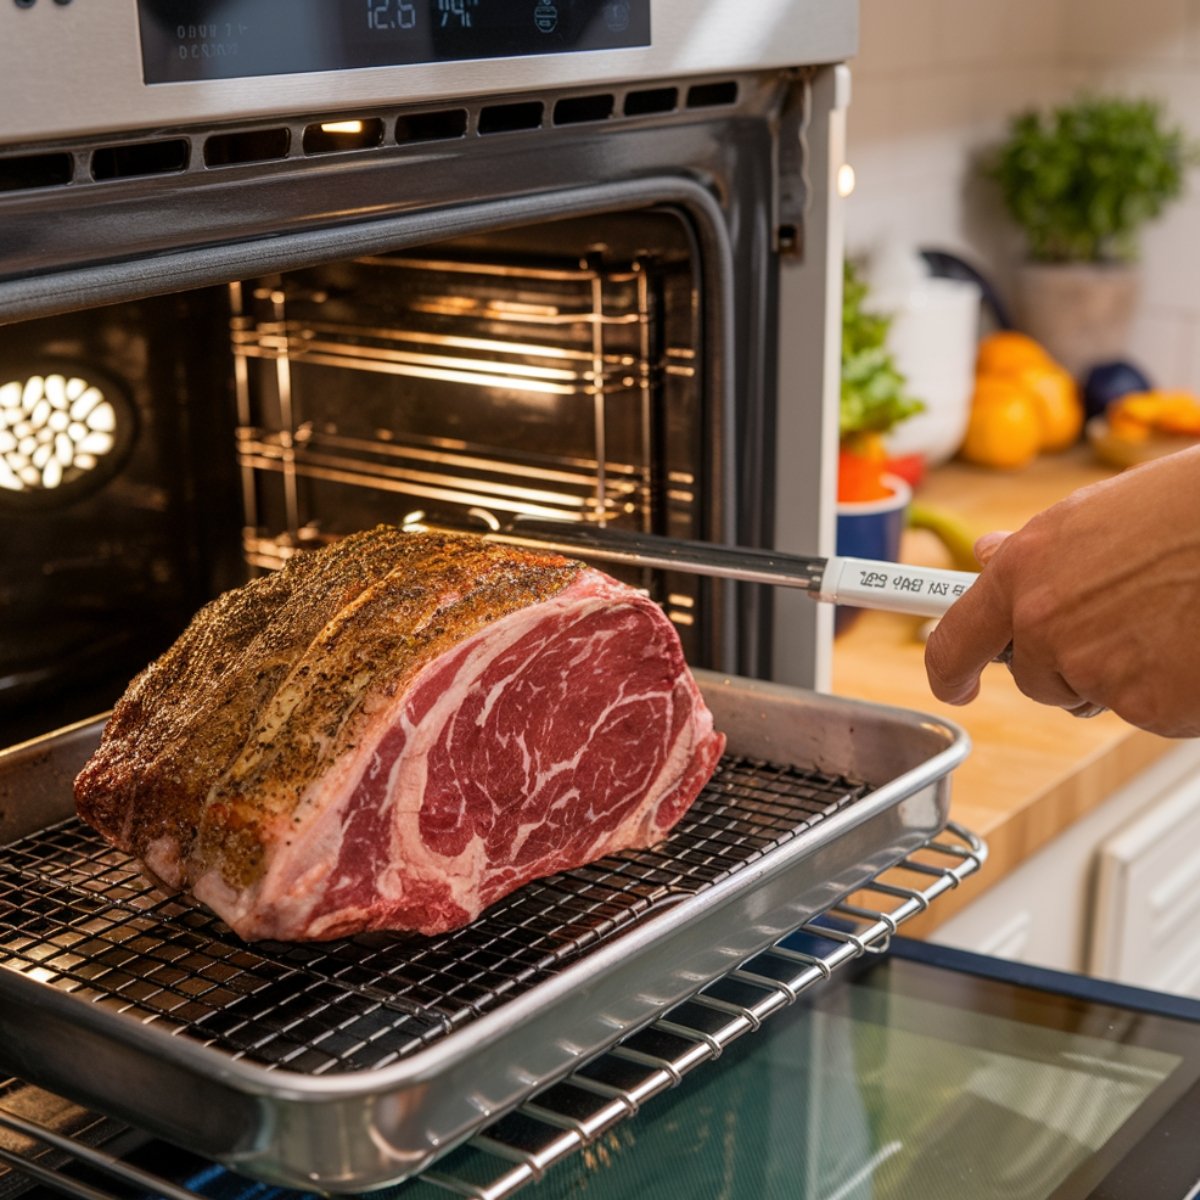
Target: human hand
1099,597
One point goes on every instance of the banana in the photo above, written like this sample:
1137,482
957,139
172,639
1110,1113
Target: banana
952,531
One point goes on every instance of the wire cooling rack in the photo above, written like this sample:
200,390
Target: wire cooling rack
570,1115
77,914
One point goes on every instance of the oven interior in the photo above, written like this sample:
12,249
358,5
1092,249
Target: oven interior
156,452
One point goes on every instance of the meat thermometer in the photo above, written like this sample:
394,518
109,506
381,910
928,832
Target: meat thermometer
861,582
864,583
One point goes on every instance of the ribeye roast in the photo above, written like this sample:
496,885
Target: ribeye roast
397,730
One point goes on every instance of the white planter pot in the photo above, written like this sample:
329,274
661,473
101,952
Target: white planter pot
1081,312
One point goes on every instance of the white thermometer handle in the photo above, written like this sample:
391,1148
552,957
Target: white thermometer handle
892,587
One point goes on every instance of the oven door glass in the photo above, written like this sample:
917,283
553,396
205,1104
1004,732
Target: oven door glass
912,1080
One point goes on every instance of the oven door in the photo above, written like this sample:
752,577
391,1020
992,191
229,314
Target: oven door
926,1071
931,1072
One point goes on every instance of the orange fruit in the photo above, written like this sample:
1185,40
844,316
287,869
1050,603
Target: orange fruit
1060,410
1129,421
1180,414
1007,351
1004,429
1136,415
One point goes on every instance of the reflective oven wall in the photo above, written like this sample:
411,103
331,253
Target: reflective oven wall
117,497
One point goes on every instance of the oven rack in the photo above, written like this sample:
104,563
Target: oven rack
450,477
580,1110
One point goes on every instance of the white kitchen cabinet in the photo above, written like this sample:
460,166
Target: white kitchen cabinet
1117,894
1147,926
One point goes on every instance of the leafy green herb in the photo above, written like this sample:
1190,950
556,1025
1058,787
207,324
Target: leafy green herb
1082,180
874,393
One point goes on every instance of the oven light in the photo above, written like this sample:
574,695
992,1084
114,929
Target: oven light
59,431
845,180
341,127
53,429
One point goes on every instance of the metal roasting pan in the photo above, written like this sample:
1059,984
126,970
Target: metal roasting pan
87,951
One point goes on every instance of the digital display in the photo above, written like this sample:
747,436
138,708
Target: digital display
188,40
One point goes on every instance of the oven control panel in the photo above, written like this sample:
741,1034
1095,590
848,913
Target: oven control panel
89,68
191,40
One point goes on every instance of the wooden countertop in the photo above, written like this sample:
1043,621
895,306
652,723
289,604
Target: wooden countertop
1033,770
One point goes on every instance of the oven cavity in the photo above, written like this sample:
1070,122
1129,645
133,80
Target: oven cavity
542,374
430,313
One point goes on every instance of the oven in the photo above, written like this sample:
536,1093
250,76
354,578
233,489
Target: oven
271,273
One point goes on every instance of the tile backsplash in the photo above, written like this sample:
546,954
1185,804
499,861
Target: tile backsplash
934,85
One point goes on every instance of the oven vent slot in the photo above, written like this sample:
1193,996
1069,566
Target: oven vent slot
336,137
55,167
511,118
649,101
35,171
432,126
247,146
142,158
579,110
712,95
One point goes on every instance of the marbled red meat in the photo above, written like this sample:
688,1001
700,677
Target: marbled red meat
397,731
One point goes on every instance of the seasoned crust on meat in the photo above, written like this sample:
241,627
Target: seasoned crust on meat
269,683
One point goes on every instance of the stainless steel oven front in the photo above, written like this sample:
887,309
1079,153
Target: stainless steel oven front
275,270
270,272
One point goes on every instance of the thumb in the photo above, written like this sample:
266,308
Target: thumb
987,545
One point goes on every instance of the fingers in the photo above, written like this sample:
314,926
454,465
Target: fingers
1034,674
979,629
973,632
1030,662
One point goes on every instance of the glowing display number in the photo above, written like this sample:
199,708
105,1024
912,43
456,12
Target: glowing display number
391,14
457,12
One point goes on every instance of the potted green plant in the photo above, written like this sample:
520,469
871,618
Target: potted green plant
874,491
874,397
1082,181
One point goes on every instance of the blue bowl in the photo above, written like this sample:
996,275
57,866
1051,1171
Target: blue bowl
871,529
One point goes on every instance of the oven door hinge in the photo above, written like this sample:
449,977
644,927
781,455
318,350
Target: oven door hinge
792,186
